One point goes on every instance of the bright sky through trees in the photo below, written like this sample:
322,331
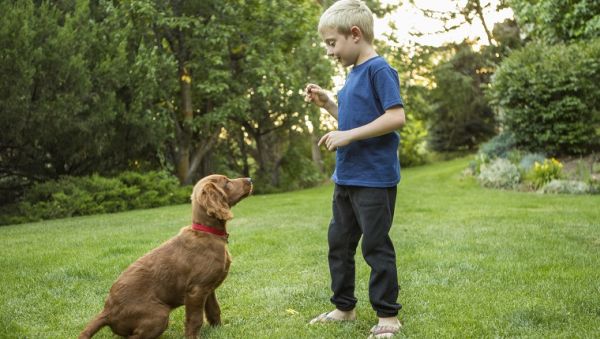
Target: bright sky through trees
409,18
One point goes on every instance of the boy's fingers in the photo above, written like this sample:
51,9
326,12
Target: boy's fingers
313,89
323,139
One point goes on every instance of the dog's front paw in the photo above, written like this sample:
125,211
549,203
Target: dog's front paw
214,321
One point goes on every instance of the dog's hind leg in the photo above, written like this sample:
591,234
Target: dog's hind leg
151,325
95,325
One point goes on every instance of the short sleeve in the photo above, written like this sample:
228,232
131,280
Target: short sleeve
387,87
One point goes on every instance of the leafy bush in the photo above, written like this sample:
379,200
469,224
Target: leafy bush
413,142
543,173
500,173
549,97
594,185
75,196
155,189
499,146
476,164
566,186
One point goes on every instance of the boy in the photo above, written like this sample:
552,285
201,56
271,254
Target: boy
367,167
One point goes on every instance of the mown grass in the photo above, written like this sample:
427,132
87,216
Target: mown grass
472,262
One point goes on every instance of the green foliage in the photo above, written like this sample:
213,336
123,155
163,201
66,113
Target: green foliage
499,146
549,97
594,185
270,77
97,87
413,142
461,117
74,196
77,97
542,173
299,171
555,21
556,186
500,173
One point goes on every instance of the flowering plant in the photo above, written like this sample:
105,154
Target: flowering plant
542,173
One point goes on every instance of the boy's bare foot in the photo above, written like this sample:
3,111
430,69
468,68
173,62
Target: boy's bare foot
386,328
333,316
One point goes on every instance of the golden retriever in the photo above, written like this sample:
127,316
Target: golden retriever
185,270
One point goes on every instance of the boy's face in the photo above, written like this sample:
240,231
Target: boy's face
342,48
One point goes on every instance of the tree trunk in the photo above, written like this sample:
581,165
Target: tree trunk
197,159
316,152
245,155
187,115
269,154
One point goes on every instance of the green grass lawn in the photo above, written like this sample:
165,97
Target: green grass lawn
472,262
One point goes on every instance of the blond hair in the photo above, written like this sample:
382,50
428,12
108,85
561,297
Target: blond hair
344,14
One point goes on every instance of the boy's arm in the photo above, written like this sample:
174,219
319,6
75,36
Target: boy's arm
392,119
332,108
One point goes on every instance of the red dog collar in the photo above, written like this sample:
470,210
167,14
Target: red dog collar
211,230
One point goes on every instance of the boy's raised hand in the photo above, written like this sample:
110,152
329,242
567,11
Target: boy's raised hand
314,93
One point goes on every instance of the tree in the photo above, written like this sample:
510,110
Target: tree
553,21
270,78
73,102
461,116
194,35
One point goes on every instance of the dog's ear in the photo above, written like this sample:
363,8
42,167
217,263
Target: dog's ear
214,200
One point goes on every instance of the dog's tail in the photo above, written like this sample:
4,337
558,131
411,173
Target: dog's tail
95,325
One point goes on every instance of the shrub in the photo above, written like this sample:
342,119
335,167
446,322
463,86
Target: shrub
499,146
566,186
413,142
549,97
75,196
594,185
476,164
500,173
155,189
545,172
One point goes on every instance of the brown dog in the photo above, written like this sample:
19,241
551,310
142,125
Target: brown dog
185,270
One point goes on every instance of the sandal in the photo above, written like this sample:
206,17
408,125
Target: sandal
325,318
379,331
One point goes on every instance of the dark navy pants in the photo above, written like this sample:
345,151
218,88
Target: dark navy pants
366,212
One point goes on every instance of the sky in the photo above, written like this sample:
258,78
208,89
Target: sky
409,19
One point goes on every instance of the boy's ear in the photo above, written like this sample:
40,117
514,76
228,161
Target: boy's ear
356,33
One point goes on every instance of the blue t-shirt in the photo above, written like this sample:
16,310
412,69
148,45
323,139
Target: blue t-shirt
371,88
